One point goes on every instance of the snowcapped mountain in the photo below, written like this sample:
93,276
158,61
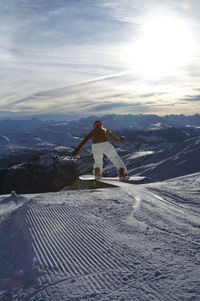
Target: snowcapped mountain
147,122
22,125
22,141
178,161
34,134
113,121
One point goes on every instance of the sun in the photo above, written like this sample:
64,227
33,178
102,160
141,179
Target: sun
164,45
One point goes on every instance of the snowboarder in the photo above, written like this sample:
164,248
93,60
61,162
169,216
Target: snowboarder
101,146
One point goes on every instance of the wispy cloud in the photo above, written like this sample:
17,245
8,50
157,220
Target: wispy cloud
109,107
192,98
80,56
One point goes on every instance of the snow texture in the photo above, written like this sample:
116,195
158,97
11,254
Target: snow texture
180,160
131,242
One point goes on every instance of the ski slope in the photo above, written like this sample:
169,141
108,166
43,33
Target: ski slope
132,242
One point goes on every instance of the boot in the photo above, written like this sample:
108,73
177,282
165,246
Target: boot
97,173
122,174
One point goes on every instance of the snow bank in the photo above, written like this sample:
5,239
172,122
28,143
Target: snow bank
10,203
17,267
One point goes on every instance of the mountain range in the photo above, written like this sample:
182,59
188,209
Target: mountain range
39,152
38,134
113,121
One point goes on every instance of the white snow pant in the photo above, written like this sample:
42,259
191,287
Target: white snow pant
106,148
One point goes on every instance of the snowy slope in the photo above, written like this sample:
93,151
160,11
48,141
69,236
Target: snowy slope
180,160
132,242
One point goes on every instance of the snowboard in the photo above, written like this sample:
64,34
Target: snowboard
131,179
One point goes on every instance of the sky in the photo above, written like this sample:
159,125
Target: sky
91,57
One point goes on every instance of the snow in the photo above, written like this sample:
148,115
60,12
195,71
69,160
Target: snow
178,161
131,242
10,203
153,138
141,154
4,140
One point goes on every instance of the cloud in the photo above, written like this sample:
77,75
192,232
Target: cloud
131,11
107,106
148,95
126,10
71,89
78,56
59,23
192,98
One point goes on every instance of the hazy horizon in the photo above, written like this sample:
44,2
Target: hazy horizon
63,117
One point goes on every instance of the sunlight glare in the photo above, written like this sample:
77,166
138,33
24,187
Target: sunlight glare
165,44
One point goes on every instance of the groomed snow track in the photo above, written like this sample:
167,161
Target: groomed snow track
73,254
134,242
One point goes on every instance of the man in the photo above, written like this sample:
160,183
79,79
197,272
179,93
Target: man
100,147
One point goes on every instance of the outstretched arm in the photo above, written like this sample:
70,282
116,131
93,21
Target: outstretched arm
77,149
115,138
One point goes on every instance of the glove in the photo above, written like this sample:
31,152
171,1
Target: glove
121,138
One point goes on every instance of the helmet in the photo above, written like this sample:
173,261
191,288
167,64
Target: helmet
97,123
